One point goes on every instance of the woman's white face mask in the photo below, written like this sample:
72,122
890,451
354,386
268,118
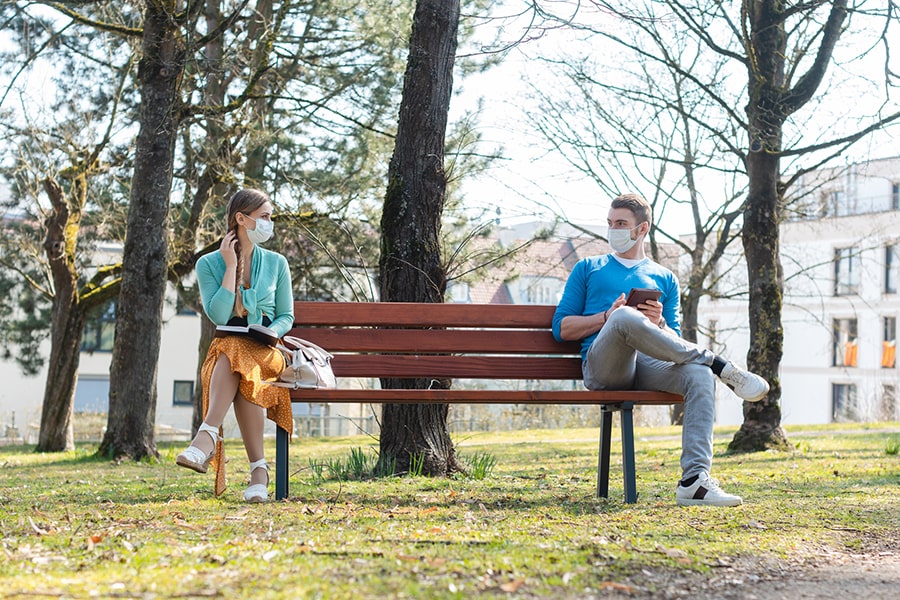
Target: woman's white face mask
620,239
262,232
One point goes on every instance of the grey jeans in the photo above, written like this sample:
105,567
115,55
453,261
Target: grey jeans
631,353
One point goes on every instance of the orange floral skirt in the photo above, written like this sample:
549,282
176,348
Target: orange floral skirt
255,364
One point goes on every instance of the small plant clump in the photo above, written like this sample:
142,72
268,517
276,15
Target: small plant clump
892,447
480,465
360,465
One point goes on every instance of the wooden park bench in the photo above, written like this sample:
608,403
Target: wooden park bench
500,342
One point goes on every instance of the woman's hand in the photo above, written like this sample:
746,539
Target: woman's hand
227,248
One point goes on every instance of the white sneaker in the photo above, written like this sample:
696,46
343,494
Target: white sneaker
749,386
704,492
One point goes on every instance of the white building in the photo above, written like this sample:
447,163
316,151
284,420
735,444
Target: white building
840,249
21,399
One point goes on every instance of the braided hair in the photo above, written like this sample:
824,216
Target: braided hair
243,201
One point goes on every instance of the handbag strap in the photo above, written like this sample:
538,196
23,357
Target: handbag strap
301,344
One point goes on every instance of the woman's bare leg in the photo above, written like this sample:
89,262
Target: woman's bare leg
223,387
251,420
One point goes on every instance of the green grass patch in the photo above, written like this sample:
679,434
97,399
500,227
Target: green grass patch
892,447
529,525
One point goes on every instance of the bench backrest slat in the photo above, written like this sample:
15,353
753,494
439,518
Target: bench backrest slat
414,314
469,367
425,341
460,341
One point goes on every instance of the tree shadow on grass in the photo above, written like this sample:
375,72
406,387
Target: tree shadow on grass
573,496
569,487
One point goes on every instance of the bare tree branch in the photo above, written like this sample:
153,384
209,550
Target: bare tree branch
92,23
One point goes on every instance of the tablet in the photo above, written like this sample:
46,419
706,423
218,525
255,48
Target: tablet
641,295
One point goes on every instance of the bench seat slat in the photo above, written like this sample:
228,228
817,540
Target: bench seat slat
462,367
436,340
414,314
485,396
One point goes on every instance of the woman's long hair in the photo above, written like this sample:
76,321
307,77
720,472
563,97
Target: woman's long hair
243,201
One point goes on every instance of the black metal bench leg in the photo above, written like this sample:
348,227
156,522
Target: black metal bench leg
603,461
282,445
628,468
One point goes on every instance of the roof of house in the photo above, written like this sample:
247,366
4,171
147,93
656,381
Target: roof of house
553,257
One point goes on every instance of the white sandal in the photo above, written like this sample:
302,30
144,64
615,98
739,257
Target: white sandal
193,457
258,492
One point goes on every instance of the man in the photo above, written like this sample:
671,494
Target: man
640,347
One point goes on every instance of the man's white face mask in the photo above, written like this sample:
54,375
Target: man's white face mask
620,239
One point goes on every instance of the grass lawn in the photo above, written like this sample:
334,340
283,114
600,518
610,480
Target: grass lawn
75,526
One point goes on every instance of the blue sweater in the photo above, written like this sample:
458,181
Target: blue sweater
269,293
596,282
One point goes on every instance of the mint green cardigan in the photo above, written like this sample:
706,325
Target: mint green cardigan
269,294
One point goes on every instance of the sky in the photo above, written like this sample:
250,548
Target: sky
528,182
531,183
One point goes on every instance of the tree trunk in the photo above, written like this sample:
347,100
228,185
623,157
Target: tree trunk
766,114
690,303
761,428
410,263
207,333
67,318
133,374
56,433
258,143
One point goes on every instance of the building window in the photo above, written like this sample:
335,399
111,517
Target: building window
459,292
843,401
895,196
832,204
846,271
888,402
183,393
100,329
889,344
546,297
845,343
538,293
91,394
183,308
890,269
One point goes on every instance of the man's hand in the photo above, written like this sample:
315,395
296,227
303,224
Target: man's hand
620,301
577,327
652,309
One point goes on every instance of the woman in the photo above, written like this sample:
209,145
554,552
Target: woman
237,366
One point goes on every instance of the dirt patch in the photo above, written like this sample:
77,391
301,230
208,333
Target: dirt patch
869,576
872,573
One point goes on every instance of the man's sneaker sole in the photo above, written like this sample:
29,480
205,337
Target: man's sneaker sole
692,502
753,399
747,386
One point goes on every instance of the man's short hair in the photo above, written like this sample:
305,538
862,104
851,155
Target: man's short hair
636,204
